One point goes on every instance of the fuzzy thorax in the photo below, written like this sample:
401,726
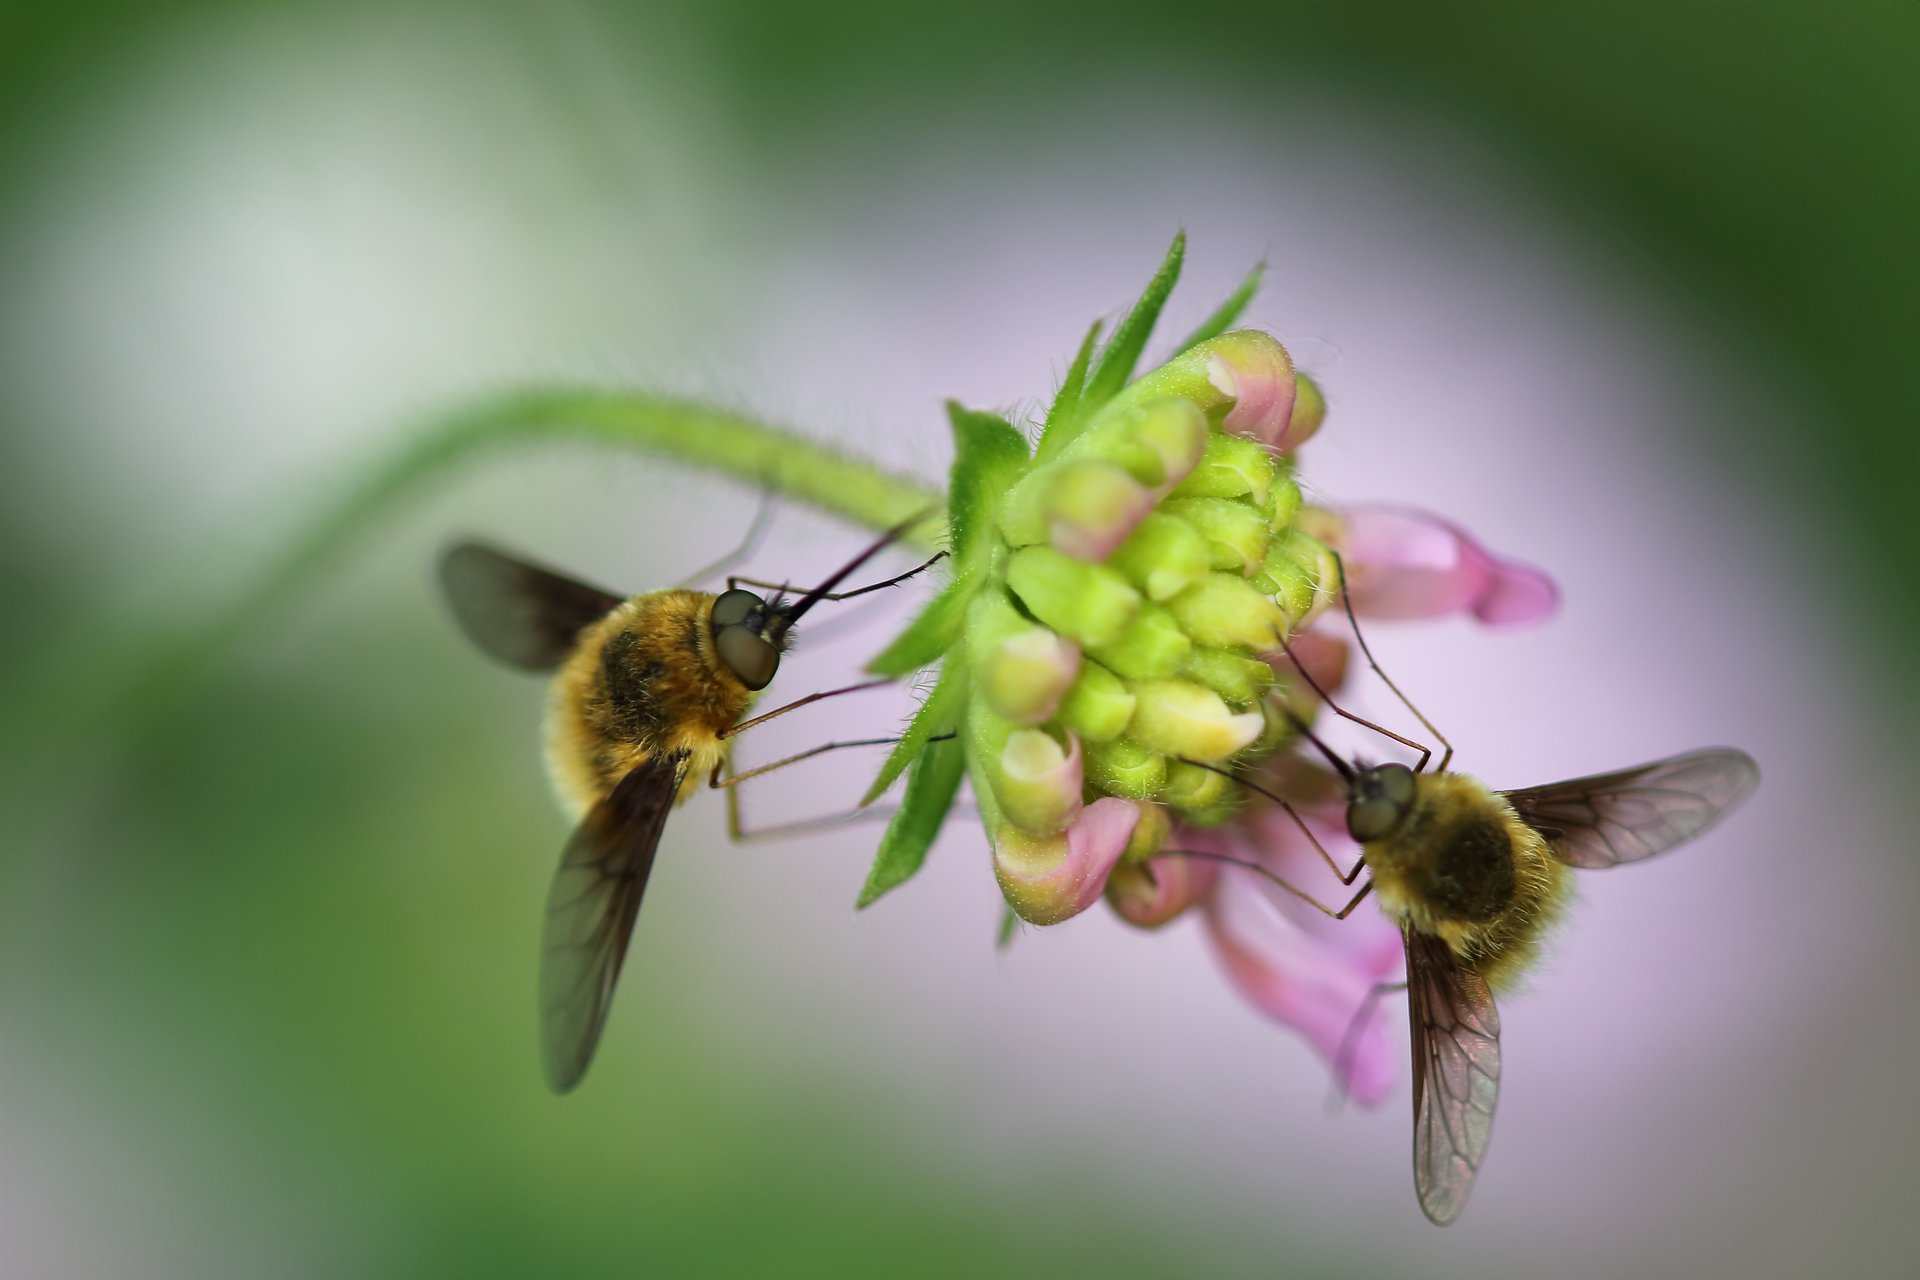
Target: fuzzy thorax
1462,867
643,681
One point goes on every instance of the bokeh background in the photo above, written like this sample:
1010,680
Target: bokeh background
1628,290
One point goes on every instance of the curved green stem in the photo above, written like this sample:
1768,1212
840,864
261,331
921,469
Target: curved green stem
75,694
681,430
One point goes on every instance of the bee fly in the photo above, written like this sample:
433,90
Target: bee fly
648,691
1475,878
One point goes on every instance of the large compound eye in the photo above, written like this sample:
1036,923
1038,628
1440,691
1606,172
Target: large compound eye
1381,799
747,653
733,607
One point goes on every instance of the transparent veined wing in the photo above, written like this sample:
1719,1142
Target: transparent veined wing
1635,813
591,910
1456,1074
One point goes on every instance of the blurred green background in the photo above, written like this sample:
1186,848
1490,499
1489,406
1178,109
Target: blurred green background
268,944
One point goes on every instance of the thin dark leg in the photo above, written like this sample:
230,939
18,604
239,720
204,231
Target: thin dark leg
1346,877
736,828
1347,601
1249,865
1425,752
716,782
801,702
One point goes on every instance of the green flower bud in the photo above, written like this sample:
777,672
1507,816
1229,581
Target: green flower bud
1309,410
1151,645
1232,467
1243,380
1239,679
1026,675
1123,767
1285,502
1237,533
1038,782
1149,834
1163,557
1298,572
1181,718
1085,507
1098,706
1191,787
1224,610
1158,441
1085,602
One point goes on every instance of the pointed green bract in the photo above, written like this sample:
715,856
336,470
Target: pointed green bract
1009,925
939,713
1122,353
932,783
933,631
1064,416
1229,311
988,454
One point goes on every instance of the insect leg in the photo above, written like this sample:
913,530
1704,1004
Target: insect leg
715,781
1346,601
1426,753
1249,865
797,703
736,827
1346,877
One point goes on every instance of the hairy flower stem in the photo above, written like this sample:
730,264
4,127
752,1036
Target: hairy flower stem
72,696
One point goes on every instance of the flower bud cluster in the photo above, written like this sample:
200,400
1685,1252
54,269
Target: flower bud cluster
1148,564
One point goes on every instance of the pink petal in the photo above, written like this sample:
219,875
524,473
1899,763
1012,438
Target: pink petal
1300,981
1153,895
1256,372
1055,878
1518,595
1409,564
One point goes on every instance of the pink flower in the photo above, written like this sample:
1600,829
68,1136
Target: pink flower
1150,894
1048,879
1252,370
1303,969
1409,564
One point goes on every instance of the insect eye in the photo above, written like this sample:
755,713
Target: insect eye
1396,782
747,653
1372,818
733,607
1381,799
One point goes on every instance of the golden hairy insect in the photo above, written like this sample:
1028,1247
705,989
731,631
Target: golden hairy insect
1475,878
647,693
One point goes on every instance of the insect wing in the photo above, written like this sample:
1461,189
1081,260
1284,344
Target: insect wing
519,613
1456,1074
591,908
1612,818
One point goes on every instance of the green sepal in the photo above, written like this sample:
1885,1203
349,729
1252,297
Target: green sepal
932,782
940,713
1064,416
1229,311
933,631
1122,352
988,454
1009,926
